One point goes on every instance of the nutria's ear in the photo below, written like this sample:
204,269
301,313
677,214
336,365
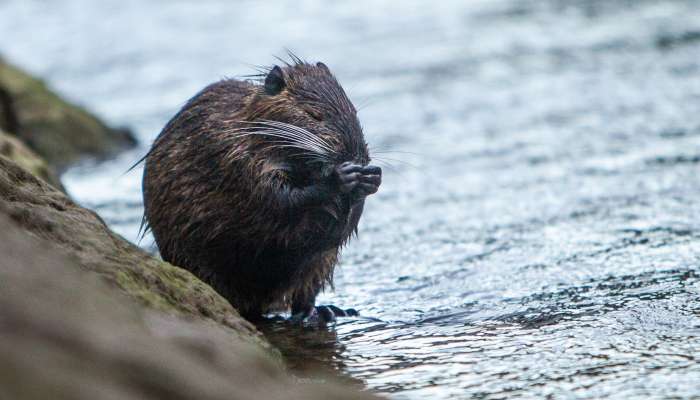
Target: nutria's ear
323,66
274,82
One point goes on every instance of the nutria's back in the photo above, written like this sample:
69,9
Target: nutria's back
254,188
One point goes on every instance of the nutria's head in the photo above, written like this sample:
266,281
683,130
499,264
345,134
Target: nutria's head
302,108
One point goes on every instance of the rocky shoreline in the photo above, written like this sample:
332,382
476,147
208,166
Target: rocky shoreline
86,314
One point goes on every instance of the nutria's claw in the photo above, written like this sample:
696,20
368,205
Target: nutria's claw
323,314
348,175
375,180
372,170
339,312
368,188
356,178
348,167
349,186
370,180
329,313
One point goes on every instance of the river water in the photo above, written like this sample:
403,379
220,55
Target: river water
536,234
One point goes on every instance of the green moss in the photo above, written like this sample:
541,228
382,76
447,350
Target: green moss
134,285
13,149
50,215
166,288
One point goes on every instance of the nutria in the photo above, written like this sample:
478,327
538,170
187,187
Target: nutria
255,185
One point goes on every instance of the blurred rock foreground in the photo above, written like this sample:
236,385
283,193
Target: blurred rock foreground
84,314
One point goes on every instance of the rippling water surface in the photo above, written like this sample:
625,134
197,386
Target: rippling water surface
537,230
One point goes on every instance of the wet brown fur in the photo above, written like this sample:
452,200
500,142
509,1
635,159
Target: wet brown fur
216,201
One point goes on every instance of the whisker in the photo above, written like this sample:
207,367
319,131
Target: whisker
309,145
374,151
302,132
276,145
386,165
298,135
283,127
395,160
292,143
366,103
314,148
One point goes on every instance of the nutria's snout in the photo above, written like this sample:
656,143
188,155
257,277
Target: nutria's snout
275,175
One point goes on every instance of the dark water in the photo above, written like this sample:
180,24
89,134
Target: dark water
537,231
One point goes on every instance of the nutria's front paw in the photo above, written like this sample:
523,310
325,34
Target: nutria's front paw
370,180
359,180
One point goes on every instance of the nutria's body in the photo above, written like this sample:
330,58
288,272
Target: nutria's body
255,188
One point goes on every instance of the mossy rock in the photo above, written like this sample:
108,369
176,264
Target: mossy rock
49,214
64,335
58,131
13,149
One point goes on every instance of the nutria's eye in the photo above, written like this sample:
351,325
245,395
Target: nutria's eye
274,82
